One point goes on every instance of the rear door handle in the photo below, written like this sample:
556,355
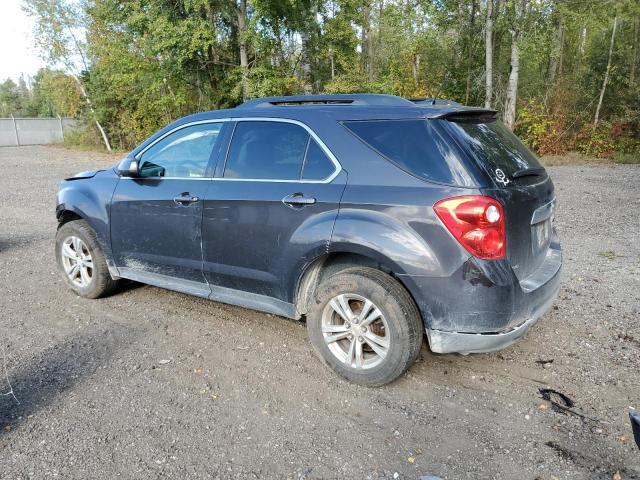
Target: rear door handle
298,200
185,198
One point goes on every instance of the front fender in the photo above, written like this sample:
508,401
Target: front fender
90,199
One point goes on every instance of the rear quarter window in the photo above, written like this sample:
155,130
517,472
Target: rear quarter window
416,147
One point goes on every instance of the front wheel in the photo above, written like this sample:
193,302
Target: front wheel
81,260
365,326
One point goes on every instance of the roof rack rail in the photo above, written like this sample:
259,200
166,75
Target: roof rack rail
360,99
430,101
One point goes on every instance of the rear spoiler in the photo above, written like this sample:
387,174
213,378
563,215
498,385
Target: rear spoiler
468,114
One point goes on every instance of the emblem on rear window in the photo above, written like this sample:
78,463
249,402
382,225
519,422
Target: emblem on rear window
501,177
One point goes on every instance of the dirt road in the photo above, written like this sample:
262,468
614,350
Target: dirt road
154,384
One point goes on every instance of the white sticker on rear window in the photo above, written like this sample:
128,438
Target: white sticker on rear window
501,177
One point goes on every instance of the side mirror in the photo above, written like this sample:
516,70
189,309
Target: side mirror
129,167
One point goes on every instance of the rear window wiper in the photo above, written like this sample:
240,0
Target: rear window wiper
529,172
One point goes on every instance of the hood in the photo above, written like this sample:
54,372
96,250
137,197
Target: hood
81,175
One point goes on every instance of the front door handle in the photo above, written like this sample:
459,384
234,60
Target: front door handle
298,200
185,198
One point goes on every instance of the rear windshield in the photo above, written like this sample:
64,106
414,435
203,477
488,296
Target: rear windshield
416,147
496,147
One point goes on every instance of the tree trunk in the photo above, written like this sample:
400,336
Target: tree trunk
561,59
583,41
105,139
367,40
241,17
634,52
606,73
307,54
555,59
488,55
472,21
306,63
415,69
512,84
363,43
333,65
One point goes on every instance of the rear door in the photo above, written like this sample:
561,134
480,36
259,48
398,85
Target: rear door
270,209
156,218
519,181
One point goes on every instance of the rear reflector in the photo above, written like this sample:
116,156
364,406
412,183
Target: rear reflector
477,222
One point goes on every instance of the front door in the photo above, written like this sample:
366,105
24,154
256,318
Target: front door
156,218
271,209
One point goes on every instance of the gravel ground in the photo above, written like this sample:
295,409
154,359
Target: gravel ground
155,384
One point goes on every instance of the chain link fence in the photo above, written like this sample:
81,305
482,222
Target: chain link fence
15,132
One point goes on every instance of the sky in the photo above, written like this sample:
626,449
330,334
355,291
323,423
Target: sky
18,54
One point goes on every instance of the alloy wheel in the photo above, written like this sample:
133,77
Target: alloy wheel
77,261
355,331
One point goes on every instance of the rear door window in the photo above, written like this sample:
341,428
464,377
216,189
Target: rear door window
268,150
416,147
496,148
316,165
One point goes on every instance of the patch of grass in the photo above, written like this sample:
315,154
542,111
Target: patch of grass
609,254
627,158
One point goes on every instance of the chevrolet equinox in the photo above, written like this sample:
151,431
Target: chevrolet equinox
376,218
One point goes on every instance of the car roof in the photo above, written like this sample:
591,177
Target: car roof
340,107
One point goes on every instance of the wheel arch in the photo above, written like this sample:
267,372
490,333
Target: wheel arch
65,216
330,263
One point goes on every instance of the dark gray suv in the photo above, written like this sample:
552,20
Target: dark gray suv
376,218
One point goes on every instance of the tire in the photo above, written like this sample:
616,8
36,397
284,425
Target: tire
97,282
399,326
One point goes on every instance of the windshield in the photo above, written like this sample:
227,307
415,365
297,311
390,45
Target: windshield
497,148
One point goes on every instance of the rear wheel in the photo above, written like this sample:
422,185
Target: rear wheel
82,261
364,326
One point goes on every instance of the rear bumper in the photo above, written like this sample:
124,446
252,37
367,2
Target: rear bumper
512,313
449,342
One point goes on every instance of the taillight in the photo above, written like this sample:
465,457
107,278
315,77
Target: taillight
477,222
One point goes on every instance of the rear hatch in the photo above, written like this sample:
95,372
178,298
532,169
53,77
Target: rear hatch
517,180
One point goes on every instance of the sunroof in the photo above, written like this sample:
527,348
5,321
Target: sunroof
311,102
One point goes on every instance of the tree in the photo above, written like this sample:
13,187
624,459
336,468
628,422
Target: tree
144,63
634,51
509,115
10,100
472,20
241,19
58,24
607,72
488,42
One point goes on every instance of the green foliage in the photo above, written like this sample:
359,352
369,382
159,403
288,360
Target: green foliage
145,63
354,83
542,132
11,101
595,141
50,94
84,137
